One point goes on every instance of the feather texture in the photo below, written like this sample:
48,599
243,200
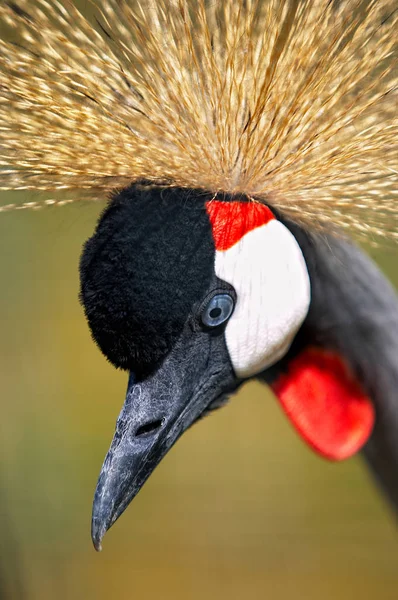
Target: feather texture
293,103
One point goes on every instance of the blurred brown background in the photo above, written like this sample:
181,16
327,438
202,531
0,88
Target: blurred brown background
240,508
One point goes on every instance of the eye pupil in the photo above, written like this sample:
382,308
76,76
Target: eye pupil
218,310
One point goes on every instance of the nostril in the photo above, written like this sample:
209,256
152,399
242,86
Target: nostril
149,427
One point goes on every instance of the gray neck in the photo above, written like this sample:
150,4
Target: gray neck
354,310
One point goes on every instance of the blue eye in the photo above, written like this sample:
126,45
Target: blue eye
218,310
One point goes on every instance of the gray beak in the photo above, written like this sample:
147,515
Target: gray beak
157,410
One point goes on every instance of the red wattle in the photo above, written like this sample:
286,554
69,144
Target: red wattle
230,221
326,404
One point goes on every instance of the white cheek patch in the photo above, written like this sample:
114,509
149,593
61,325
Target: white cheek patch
268,272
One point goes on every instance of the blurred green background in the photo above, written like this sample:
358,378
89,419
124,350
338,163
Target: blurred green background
240,508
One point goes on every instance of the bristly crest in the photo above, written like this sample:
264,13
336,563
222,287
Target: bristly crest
292,102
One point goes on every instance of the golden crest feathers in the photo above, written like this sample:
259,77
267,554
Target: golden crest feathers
291,102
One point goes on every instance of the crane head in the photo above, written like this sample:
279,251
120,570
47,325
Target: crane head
172,284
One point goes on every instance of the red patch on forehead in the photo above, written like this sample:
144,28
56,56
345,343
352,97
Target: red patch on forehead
230,221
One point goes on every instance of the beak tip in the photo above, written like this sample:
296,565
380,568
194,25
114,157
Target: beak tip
97,535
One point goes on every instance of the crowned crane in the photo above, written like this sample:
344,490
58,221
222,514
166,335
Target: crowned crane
236,142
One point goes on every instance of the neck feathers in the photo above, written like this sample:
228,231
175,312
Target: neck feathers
354,312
